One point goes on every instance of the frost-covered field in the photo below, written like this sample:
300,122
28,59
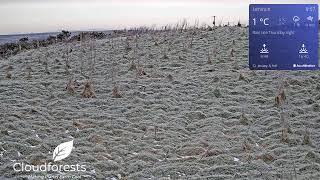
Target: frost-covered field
187,107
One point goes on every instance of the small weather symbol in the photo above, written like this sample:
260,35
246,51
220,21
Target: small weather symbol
264,50
303,50
282,21
310,18
296,20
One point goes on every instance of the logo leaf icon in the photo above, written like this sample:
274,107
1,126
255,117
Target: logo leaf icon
62,151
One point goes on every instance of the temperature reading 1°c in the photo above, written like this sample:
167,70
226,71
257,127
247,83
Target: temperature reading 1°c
265,21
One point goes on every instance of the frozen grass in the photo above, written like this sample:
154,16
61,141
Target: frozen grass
163,109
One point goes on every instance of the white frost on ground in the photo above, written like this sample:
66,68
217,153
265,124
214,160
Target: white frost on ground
184,119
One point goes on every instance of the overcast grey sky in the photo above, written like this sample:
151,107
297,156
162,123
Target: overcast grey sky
25,16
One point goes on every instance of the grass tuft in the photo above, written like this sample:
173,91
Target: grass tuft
306,137
71,87
280,98
88,91
8,73
133,66
116,92
244,119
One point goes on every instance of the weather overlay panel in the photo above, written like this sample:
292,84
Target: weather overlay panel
283,37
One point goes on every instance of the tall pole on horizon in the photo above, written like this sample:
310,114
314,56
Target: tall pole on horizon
214,21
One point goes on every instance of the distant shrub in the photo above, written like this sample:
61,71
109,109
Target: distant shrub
64,35
51,39
239,24
23,40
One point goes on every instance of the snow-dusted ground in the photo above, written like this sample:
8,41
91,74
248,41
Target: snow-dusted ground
185,118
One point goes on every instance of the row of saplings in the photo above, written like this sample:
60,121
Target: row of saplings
88,91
